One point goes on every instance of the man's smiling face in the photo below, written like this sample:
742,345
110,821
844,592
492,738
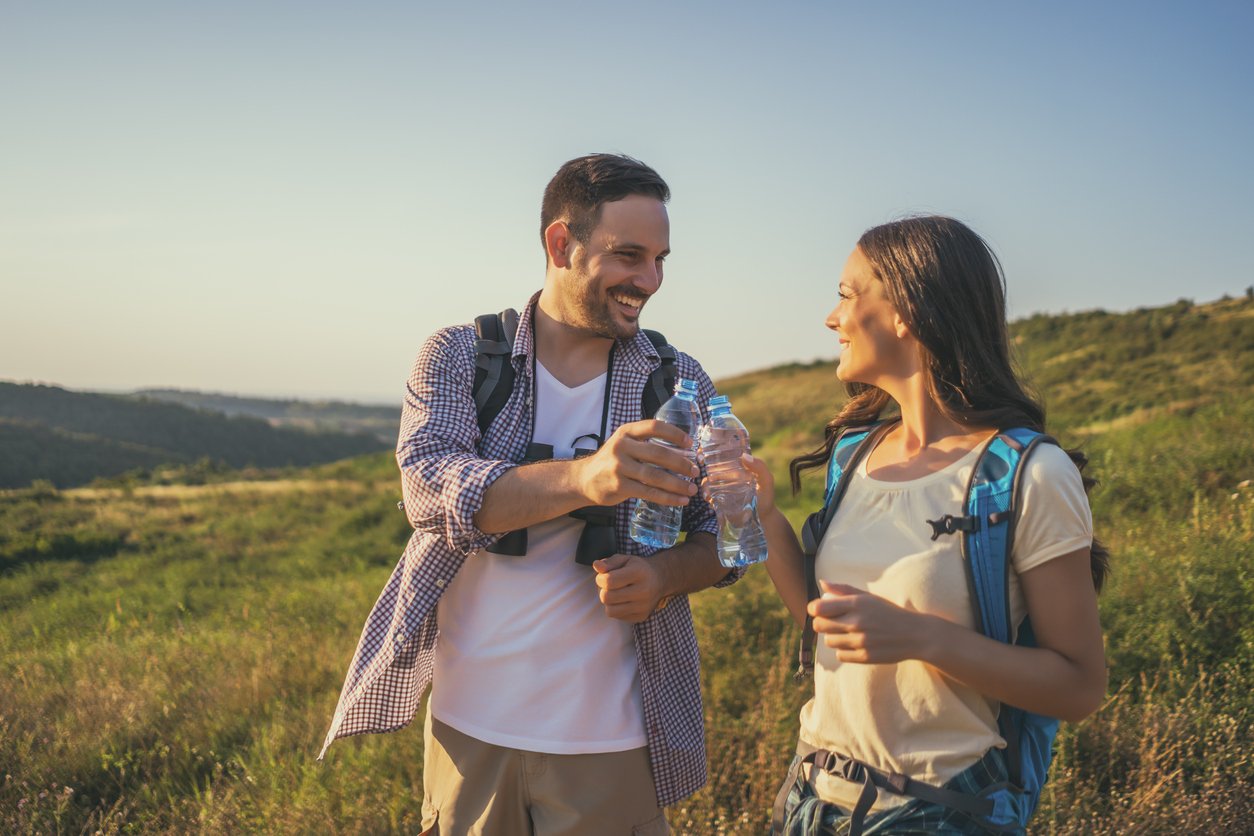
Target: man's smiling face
617,269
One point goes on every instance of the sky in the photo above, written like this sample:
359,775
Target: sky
286,199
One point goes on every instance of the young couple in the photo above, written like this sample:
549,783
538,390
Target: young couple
565,696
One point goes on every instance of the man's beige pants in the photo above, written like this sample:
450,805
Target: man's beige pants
472,787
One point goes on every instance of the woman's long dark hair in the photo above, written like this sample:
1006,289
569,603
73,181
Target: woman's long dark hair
947,285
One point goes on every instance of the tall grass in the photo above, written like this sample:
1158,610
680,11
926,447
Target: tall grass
183,681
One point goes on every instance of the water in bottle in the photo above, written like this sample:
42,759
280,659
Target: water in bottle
730,487
658,525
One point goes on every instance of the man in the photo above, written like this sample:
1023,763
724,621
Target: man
565,698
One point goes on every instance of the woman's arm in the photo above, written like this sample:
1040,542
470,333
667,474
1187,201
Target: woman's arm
785,563
1064,677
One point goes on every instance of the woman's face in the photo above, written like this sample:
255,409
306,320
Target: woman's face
873,338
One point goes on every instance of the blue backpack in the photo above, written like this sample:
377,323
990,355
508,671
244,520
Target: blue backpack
987,527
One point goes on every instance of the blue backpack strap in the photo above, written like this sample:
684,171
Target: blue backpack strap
987,546
850,447
989,527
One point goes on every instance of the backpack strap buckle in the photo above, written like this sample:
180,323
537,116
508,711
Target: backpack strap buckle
949,524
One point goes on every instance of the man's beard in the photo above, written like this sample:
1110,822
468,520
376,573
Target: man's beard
595,319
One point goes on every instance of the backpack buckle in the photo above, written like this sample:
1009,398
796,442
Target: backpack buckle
825,760
833,763
949,524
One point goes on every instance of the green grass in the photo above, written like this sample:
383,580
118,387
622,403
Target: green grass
171,653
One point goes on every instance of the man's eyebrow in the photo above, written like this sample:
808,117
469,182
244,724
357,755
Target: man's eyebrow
628,246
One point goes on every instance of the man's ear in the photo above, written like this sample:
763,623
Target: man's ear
559,243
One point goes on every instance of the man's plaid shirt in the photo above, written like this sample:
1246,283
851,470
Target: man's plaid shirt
446,466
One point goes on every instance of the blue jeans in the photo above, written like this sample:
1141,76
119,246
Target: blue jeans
808,815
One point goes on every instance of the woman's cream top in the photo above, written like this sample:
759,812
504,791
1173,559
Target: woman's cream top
909,717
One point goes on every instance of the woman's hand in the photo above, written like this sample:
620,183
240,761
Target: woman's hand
766,483
866,628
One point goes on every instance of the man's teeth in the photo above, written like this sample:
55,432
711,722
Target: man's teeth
630,301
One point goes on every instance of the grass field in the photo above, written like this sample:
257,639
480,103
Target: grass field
170,654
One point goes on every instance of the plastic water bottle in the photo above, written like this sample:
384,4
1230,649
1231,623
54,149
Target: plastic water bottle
730,487
658,525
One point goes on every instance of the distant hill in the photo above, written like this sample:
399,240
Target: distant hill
1098,371
70,438
337,416
1092,367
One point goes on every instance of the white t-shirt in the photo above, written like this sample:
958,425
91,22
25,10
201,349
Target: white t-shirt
527,657
908,717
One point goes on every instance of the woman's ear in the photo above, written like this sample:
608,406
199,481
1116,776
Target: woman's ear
559,243
900,327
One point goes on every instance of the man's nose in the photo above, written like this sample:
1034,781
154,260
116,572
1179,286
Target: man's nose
649,279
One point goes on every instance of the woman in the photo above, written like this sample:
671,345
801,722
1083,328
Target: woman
904,682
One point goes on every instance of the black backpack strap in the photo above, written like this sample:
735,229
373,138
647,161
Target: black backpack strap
661,383
494,373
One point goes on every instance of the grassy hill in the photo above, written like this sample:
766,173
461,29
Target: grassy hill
70,438
170,655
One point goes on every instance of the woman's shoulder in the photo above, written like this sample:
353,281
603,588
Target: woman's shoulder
1048,463
1054,517
1051,488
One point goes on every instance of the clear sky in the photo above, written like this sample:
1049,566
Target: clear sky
287,198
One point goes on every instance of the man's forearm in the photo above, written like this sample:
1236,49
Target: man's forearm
530,494
626,466
690,566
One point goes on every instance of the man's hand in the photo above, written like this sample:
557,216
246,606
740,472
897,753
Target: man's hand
630,587
629,465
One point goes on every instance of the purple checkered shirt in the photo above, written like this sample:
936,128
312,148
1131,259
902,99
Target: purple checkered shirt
446,467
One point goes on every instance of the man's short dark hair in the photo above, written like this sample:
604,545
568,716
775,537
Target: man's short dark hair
580,187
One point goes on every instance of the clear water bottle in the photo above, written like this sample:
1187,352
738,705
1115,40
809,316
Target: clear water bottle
658,525
730,487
